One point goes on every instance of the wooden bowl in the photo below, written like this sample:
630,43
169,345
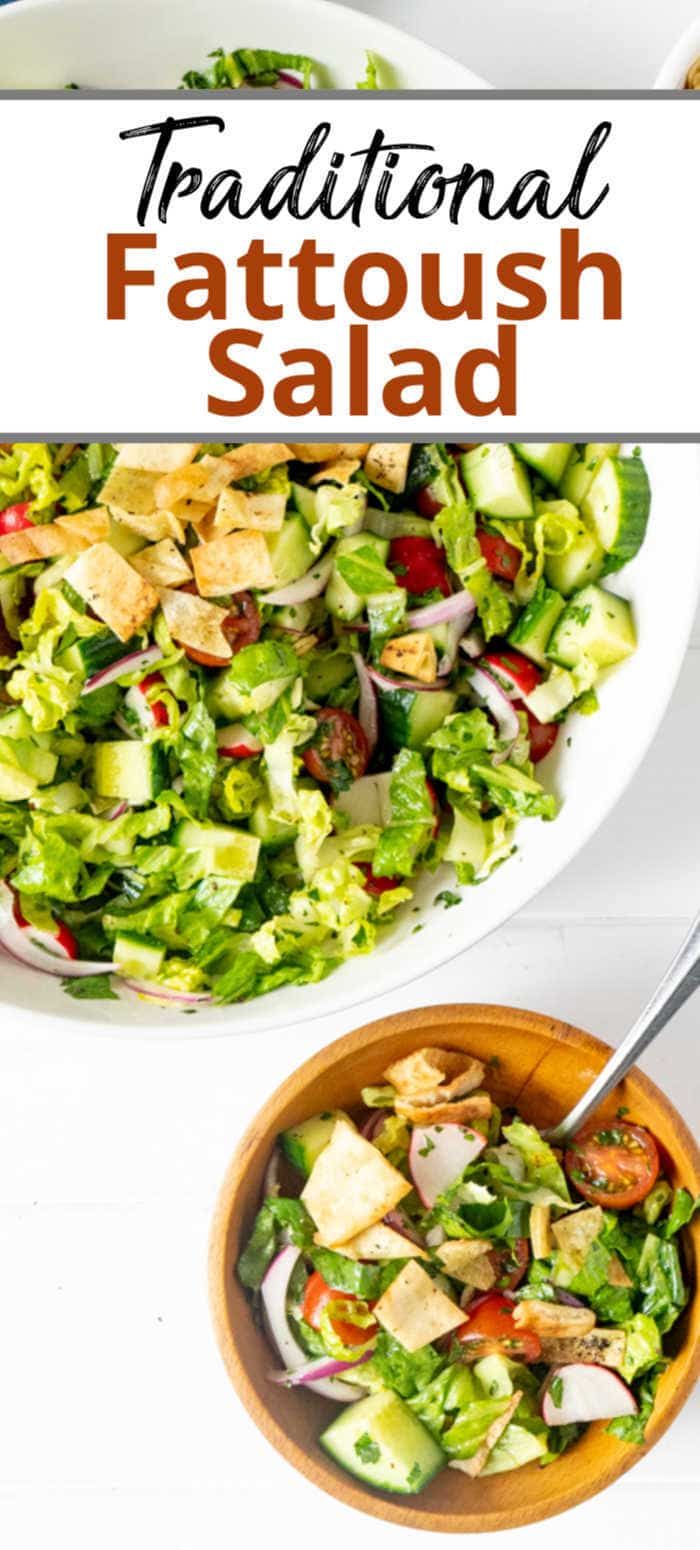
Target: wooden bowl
542,1066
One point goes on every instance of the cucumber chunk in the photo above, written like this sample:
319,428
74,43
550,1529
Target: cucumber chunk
549,458
381,1442
582,563
134,772
533,629
90,653
305,1142
618,505
595,625
517,1446
578,474
271,832
409,717
498,482
290,551
230,852
137,955
341,601
304,500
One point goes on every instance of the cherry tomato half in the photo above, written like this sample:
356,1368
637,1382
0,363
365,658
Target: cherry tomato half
426,503
502,558
377,885
241,627
14,518
613,1164
339,751
542,735
159,711
317,1295
510,1264
491,1327
421,565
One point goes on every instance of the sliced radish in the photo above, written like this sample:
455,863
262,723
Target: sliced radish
274,1292
438,1155
588,1393
367,713
234,742
135,662
52,952
515,672
148,713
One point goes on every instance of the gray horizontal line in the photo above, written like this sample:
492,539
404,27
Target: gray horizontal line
690,438
263,94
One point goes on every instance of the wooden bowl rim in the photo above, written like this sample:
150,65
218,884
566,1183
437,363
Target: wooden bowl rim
346,1490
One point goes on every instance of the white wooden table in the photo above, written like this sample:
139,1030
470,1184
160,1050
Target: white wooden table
117,1424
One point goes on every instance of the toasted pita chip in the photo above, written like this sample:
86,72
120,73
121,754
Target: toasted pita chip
196,623
155,457
351,1186
339,472
113,589
617,1275
316,451
201,482
255,457
45,541
603,1346
381,1242
413,654
465,1259
18,548
237,509
232,564
386,464
163,564
476,1463
553,1318
445,1072
478,1106
155,525
131,490
540,1231
575,1233
93,526
415,1310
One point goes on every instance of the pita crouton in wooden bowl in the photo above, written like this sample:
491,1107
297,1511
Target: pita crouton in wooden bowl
597,1310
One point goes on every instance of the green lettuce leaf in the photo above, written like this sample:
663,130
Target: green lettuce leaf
412,818
274,1216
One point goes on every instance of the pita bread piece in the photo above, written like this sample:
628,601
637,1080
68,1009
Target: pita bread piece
413,654
474,1465
415,1310
113,589
606,1347
386,464
463,1112
351,1186
435,1075
381,1242
163,564
466,1260
155,457
232,564
92,526
195,623
553,1318
255,457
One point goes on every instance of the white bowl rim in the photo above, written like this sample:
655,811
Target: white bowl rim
675,67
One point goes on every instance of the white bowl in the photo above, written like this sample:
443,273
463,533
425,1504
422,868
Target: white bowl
589,769
150,43
674,70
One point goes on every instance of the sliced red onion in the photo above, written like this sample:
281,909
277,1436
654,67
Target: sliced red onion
165,993
496,701
401,1225
473,643
568,1298
372,1124
274,1292
118,811
134,663
127,727
41,950
368,715
382,682
307,587
290,80
460,605
320,1367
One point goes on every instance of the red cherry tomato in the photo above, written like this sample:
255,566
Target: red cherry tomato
491,1327
613,1164
317,1295
426,503
510,1264
14,518
158,710
542,735
516,670
339,751
434,802
502,558
241,627
377,885
421,565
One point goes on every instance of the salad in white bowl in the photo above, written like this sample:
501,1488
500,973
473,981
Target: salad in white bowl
252,696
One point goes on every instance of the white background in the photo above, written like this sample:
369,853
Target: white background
117,1424
649,222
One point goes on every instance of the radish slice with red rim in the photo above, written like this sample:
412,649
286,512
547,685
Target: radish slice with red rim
585,1391
235,742
438,1155
50,952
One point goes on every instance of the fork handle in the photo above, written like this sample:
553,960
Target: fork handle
680,980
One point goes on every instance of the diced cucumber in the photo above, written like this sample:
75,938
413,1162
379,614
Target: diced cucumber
493,1373
515,1447
467,842
90,653
134,772
271,832
66,797
341,601
304,501
325,671
595,625
532,630
582,563
15,723
124,539
305,1142
231,852
553,696
618,505
137,955
367,800
381,1442
549,458
290,551
293,616
409,717
15,785
398,524
226,701
38,764
578,474
497,482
